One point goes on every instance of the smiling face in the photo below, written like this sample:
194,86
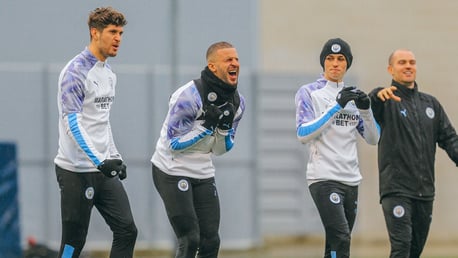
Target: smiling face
224,63
403,67
105,43
335,67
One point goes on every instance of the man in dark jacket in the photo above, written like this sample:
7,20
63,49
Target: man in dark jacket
412,123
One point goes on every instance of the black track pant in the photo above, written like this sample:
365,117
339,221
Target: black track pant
79,193
407,221
337,204
193,210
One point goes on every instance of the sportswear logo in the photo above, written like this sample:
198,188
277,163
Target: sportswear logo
404,112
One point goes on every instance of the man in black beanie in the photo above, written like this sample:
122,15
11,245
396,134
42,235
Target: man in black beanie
329,115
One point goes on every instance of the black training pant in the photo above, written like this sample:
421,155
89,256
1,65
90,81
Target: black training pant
193,210
79,193
337,205
408,221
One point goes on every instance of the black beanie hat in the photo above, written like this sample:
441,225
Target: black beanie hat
336,46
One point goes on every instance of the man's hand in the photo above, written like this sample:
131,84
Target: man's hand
345,95
123,173
363,101
388,93
110,167
212,115
225,123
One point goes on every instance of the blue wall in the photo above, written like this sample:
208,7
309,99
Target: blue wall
10,235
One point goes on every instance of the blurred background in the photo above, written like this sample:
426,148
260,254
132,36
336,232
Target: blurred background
264,196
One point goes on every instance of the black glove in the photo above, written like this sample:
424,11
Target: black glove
225,123
363,101
123,173
345,95
110,167
212,114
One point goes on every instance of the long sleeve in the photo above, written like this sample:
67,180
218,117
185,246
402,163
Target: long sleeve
368,127
77,132
377,106
182,131
447,138
309,126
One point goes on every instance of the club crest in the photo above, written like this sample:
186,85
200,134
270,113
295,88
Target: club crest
336,48
398,211
212,96
430,112
183,185
89,193
334,198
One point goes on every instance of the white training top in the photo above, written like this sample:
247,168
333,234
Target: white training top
330,132
86,91
185,147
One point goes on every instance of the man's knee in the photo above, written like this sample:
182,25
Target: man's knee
400,247
344,238
209,246
127,234
132,232
187,232
340,235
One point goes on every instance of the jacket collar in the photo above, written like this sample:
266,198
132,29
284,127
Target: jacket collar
403,90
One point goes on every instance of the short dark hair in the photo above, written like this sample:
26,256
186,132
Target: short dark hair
217,46
101,17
